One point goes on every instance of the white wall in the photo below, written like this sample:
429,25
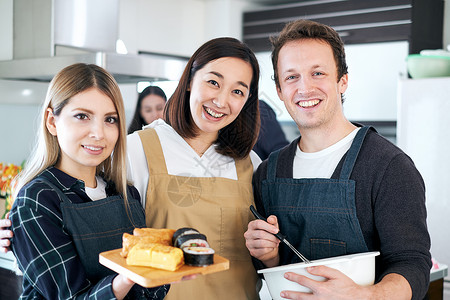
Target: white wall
172,27
177,27
6,29
19,107
224,18
267,90
373,72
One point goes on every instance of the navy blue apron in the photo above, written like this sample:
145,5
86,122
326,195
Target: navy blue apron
98,226
317,215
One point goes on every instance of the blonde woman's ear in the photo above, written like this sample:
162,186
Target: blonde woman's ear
50,122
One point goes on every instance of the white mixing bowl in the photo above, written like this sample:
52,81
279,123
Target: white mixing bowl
359,267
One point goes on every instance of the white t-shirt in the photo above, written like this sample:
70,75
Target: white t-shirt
180,159
321,164
99,192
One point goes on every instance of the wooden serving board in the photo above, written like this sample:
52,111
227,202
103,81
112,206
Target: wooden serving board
151,277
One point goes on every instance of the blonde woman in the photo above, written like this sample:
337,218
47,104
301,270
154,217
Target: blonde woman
73,201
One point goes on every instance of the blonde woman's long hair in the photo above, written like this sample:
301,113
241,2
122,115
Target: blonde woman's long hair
69,82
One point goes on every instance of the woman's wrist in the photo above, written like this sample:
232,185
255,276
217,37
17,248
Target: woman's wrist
121,285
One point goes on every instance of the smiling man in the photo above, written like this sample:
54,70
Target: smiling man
339,188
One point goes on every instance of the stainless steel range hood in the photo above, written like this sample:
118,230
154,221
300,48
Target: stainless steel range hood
84,31
125,68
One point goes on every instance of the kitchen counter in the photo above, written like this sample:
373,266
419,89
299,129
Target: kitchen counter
439,273
436,288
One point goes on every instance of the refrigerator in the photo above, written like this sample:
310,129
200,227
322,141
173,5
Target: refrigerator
423,132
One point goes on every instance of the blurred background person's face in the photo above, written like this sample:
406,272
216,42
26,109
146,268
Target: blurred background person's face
152,108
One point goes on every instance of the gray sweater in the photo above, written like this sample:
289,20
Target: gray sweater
390,204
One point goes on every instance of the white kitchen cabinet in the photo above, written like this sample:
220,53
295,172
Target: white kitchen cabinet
423,133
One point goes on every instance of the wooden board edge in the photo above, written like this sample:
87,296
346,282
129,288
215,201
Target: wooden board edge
220,264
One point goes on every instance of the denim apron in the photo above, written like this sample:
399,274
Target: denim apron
98,226
317,215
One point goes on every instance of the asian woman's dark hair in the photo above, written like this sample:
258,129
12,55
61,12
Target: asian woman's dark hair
137,122
237,139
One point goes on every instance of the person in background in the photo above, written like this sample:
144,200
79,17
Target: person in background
194,168
339,188
73,201
271,136
149,107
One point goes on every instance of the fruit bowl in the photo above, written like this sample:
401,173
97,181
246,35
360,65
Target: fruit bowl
425,66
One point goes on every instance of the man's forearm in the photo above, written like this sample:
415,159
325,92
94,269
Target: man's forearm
392,286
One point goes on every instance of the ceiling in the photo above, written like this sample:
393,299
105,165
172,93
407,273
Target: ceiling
275,2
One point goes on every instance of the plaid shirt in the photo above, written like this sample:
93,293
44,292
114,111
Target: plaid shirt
44,250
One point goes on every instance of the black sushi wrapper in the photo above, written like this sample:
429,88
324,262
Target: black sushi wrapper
198,259
180,240
181,231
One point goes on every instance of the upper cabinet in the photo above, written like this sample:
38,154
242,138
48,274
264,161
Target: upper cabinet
420,22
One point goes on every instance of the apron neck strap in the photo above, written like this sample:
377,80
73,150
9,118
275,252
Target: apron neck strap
272,165
244,168
62,196
153,151
353,152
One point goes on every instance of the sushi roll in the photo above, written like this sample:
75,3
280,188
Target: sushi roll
191,240
182,231
198,256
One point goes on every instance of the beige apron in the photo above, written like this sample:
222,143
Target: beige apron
216,207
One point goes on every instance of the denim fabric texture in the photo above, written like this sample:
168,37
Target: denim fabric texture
68,231
318,216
